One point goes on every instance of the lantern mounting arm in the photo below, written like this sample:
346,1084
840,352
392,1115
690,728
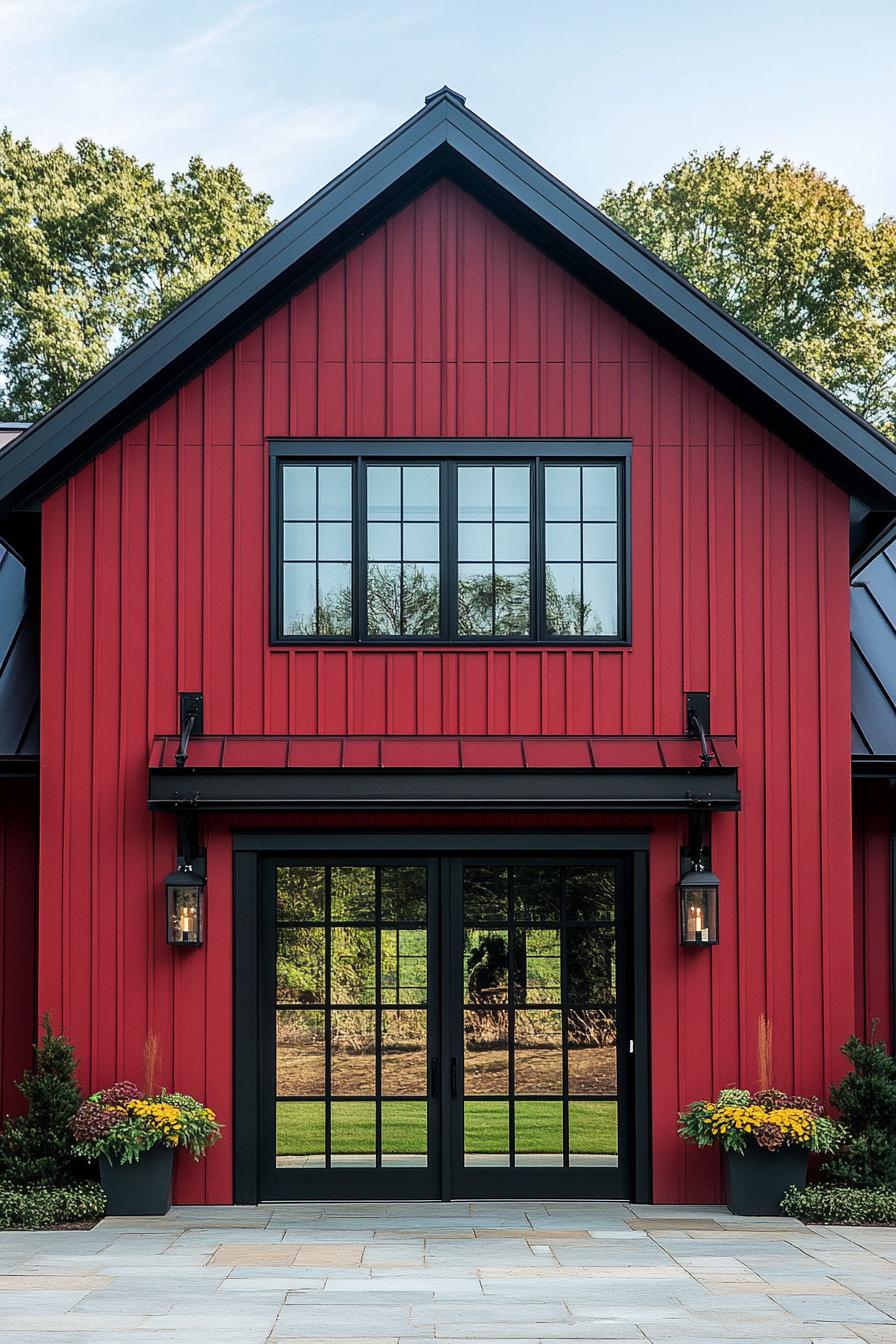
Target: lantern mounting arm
699,823
697,720
187,839
191,707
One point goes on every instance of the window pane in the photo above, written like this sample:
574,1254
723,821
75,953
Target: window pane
300,965
421,494
562,541
384,599
421,541
300,1133
599,493
562,498
474,494
474,541
334,599
299,492
512,541
539,1134
475,600
299,600
299,541
404,1133
599,593
599,542
404,895
384,542
383,493
420,600
334,541
301,1054
353,893
334,492
512,493
300,894
511,600
563,599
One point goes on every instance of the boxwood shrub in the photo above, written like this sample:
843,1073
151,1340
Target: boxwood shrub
840,1204
38,1206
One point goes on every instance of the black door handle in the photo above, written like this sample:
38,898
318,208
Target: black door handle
434,1076
453,1078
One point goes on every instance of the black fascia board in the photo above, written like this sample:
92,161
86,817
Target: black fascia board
321,790
445,139
874,767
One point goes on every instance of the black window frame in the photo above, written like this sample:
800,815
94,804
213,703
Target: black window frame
448,453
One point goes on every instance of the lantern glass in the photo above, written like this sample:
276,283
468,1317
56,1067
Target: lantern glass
699,893
185,897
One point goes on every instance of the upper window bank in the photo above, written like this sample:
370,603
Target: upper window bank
389,540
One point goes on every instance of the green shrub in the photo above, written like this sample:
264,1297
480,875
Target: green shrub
37,1149
840,1204
866,1099
43,1205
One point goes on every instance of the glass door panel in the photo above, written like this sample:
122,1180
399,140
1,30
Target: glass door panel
354,1030
538,987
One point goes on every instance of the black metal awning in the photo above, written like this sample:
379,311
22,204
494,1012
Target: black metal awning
463,789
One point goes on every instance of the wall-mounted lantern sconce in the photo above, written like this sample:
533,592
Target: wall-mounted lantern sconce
699,893
698,890
185,887
185,905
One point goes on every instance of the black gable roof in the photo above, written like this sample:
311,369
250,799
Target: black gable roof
445,139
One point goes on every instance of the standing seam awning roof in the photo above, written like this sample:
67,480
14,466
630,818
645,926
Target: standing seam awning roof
441,753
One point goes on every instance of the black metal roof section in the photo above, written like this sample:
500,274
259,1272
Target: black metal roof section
873,635
19,676
445,139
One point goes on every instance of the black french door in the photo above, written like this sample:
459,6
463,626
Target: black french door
453,1026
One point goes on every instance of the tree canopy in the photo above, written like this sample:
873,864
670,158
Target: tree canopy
789,252
94,248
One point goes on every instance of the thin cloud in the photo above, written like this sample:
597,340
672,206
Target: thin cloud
219,32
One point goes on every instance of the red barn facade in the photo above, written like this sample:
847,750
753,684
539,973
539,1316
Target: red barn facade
442,583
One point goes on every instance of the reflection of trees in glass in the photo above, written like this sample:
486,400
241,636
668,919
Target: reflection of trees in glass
402,600
493,604
300,894
567,613
487,968
332,616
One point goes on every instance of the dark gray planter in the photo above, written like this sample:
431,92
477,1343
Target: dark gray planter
141,1188
757,1180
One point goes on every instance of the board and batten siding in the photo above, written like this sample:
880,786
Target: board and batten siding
445,323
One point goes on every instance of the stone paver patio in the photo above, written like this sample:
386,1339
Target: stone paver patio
390,1273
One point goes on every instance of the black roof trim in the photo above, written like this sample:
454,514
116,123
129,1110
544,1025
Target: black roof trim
445,139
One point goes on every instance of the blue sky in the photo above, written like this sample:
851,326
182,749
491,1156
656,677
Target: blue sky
599,92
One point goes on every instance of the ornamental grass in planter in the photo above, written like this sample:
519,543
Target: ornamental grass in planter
134,1138
766,1138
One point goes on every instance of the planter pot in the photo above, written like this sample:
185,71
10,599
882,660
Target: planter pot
757,1180
141,1188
